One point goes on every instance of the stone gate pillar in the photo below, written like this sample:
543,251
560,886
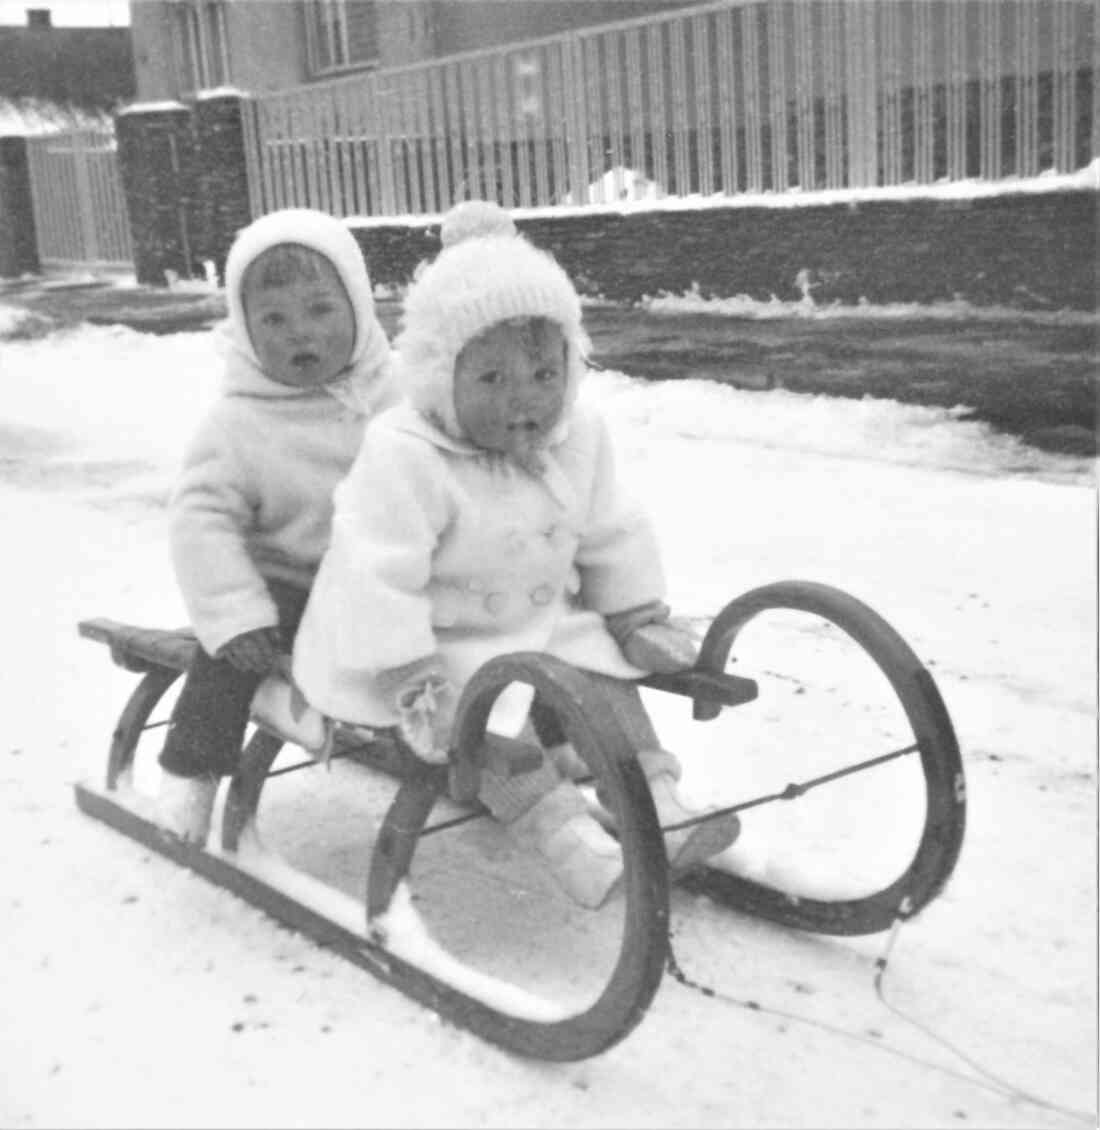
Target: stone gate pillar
18,249
222,174
156,152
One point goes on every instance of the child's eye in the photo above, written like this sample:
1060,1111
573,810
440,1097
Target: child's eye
545,376
320,309
272,319
489,377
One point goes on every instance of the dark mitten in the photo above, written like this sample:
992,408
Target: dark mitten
651,641
256,651
662,648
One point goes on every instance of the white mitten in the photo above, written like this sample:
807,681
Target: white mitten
281,707
426,712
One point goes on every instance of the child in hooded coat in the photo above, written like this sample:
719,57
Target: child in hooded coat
307,364
484,516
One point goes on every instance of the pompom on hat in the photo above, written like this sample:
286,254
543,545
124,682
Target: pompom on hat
475,282
472,218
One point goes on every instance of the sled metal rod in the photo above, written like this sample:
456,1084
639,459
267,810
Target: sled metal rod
310,763
795,790
289,769
454,822
156,725
466,817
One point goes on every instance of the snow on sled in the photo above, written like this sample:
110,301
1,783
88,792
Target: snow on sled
846,775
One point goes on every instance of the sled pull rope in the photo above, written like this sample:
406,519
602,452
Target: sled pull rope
983,1078
995,1082
905,909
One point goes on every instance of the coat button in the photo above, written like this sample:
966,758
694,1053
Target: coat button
542,595
495,602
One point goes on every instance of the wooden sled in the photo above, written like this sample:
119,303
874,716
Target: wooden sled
367,932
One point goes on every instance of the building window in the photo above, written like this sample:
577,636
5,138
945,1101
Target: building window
203,43
341,34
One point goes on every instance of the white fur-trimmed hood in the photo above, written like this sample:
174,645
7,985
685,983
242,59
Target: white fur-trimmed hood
329,237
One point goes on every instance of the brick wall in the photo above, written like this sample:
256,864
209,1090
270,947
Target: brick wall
1032,251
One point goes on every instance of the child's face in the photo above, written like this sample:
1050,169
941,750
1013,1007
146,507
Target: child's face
303,331
510,387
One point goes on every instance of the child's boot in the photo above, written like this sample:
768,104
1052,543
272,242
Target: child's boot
548,816
586,862
688,846
185,805
568,761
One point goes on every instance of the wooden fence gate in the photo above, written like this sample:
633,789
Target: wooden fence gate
79,207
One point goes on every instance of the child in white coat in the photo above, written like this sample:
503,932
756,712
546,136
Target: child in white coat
484,516
307,364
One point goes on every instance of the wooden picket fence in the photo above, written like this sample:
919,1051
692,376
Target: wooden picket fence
80,214
729,97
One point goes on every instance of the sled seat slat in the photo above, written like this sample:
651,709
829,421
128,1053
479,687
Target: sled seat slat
142,649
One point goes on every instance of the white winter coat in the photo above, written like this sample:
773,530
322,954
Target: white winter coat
254,496
441,549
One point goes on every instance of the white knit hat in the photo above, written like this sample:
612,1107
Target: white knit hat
327,236
470,286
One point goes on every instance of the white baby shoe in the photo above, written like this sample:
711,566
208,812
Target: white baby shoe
185,805
585,861
688,846
279,706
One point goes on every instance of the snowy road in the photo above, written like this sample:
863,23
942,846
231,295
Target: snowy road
137,995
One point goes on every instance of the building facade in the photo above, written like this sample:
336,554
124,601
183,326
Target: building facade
87,67
182,47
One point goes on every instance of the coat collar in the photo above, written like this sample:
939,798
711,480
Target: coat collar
362,387
405,418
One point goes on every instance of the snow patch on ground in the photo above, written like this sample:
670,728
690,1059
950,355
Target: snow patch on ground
617,184
405,934
957,310
871,429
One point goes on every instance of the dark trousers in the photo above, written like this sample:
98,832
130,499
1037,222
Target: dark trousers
209,721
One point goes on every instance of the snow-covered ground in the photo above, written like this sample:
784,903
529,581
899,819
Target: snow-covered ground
135,994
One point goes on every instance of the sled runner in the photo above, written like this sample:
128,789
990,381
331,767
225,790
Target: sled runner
425,846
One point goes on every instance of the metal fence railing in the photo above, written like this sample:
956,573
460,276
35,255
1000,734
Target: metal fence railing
79,207
724,98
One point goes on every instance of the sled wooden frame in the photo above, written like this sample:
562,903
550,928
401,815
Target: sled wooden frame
607,745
